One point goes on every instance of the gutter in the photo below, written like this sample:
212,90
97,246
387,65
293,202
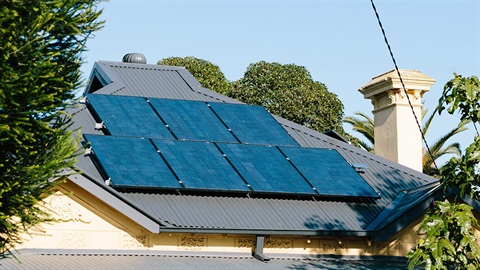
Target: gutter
266,232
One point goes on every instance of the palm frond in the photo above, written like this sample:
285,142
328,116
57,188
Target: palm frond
363,125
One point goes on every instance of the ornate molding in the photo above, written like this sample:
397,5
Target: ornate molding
278,243
64,210
193,242
245,242
398,95
134,241
332,247
73,240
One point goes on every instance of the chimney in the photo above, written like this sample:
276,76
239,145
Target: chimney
397,136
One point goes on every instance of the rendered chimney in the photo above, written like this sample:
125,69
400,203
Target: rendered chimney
397,136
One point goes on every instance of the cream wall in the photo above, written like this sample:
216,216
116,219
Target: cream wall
84,222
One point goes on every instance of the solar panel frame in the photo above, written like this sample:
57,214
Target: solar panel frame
128,116
192,120
328,172
252,124
265,169
201,166
132,162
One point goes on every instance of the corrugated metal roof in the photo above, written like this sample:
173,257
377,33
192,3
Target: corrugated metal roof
123,260
250,213
188,211
156,81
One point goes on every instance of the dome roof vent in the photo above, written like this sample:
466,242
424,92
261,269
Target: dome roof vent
135,58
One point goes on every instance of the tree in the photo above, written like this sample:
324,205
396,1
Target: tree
365,126
450,241
290,92
207,73
41,44
285,90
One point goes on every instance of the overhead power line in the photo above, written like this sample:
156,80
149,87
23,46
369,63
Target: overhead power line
403,85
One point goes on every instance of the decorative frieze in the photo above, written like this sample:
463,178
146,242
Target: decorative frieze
134,241
193,242
278,243
64,210
244,242
332,246
73,240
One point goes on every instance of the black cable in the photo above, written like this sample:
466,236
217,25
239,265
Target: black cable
403,85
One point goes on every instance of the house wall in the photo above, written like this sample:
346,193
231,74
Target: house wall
84,222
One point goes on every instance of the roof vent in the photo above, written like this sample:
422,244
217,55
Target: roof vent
360,168
135,58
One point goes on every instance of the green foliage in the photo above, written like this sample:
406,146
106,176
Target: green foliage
462,95
285,90
208,74
449,241
290,92
365,126
40,55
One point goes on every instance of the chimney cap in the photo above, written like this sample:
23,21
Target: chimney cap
413,79
135,58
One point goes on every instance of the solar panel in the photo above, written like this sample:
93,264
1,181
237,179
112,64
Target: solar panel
266,169
200,166
192,120
132,162
252,124
328,172
128,116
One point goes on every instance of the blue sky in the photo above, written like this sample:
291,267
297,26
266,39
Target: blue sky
339,42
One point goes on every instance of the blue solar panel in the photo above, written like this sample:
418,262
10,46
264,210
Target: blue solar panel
192,120
132,162
128,116
266,169
200,166
328,172
252,124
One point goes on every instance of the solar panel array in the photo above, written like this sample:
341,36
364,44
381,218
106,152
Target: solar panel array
188,120
220,147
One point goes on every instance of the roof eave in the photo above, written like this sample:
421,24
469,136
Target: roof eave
409,216
117,202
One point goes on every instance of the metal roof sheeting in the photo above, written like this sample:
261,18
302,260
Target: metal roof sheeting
250,214
155,81
123,260
387,178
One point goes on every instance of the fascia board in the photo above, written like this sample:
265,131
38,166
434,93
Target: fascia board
409,216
